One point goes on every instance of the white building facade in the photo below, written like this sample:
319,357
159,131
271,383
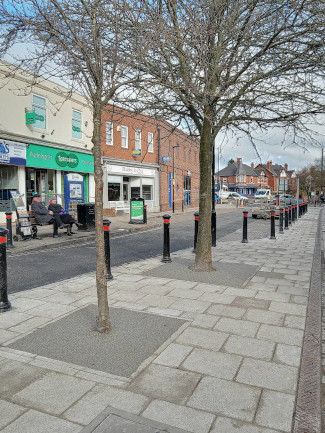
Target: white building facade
45,134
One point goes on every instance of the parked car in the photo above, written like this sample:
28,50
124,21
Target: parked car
237,196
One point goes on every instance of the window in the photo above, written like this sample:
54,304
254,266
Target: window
177,151
109,133
146,192
169,147
251,179
150,142
114,191
245,178
76,124
189,155
237,178
138,139
184,154
39,107
124,136
241,177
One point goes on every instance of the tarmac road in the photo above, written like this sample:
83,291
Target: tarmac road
37,268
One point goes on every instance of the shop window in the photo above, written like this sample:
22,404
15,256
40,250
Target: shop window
147,192
76,124
150,142
109,133
138,139
39,107
135,191
124,137
114,191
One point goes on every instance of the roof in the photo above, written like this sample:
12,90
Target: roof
235,169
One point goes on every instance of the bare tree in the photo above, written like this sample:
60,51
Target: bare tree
240,66
84,44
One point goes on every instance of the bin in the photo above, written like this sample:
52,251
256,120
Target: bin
86,216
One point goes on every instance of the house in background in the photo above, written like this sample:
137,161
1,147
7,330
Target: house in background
241,178
280,179
246,179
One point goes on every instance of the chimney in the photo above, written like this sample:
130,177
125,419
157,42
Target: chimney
252,165
268,164
286,166
238,160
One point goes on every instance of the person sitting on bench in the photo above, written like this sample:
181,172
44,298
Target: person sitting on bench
43,215
57,209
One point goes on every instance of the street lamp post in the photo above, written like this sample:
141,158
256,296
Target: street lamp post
213,214
177,145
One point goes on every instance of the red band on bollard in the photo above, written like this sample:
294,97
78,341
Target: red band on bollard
3,240
8,217
166,221
105,228
281,211
197,218
245,214
272,213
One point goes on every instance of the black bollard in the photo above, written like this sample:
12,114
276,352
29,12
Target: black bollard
214,228
281,222
245,215
182,205
106,228
272,236
286,218
166,254
9,228
145,214
196,229
293,213
290,214
4,301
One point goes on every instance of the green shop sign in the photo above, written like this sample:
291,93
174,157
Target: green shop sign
57,159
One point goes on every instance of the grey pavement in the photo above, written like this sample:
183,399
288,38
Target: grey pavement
229,361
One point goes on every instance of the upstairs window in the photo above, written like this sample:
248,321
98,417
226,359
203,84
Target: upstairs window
109,133
138,139
150,142
124,137
39,107
76,124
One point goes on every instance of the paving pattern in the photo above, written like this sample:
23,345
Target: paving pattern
232,368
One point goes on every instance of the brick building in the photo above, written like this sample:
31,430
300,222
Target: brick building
280,179
241,178
138,156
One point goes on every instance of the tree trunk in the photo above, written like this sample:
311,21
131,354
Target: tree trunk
203,258
103,320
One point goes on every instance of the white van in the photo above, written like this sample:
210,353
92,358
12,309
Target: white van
263,195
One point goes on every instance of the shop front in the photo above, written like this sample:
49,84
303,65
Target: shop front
46,168
124,182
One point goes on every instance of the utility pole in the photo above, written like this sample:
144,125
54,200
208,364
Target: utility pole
322,167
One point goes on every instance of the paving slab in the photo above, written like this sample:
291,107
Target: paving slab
161,382
34,421
134,337
52,393
225,398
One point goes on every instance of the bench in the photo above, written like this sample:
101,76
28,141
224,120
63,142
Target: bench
34,225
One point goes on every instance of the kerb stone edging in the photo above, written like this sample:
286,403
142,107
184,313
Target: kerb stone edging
307,416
